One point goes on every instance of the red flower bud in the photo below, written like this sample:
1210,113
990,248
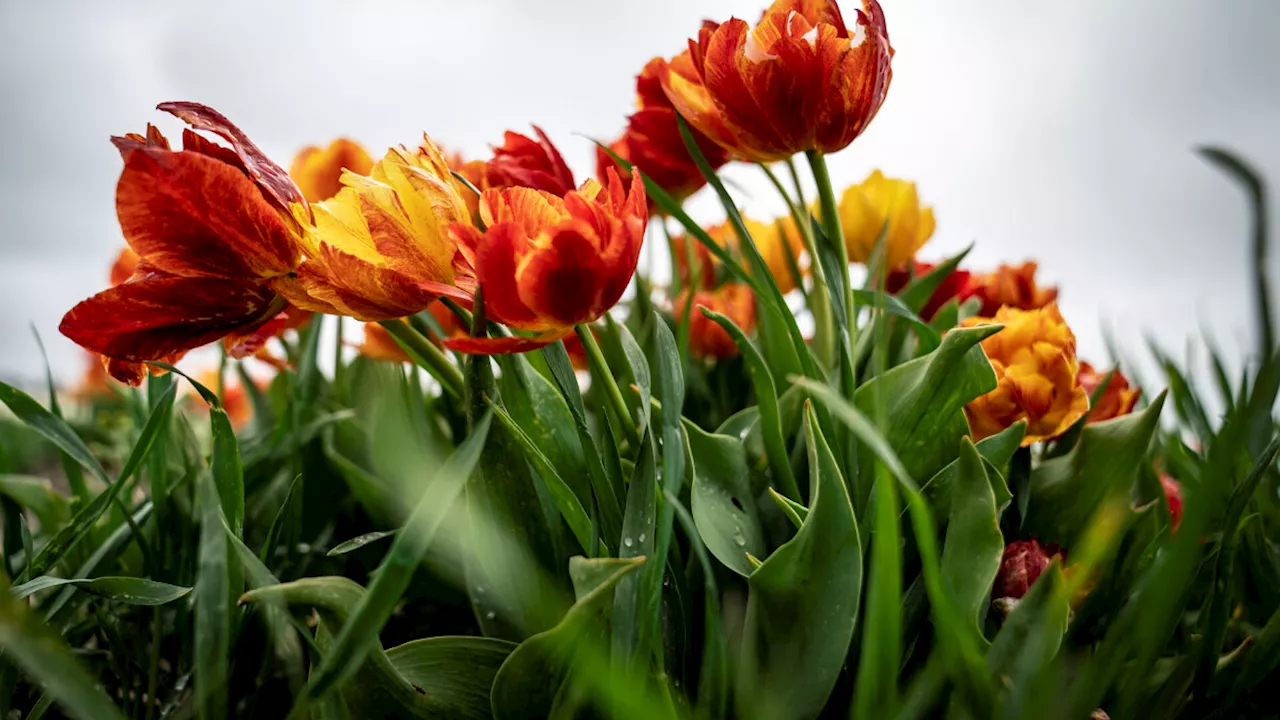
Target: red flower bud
1020,565
1173,498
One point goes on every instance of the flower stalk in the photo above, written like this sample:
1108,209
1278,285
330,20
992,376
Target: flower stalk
604,376
433,358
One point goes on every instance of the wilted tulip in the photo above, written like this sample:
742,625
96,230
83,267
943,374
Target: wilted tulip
1021,564
706,338
1118,399
799,80
1034,358
1011,286
214,233
545,263
318,171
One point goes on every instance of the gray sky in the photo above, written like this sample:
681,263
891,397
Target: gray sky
1059,131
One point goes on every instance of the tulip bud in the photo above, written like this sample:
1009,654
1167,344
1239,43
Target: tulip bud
1020,566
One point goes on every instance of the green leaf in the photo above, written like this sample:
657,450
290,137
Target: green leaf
526,684
359,541
713,679
794,511
971,552
212,609
927,396
1032,633
377,683
803,601
997,450
457,672
875,693
929,337
43,657
71,534
723,505
917,292
53,428
669,380
634,636
1066,490
128,590
359,633
38,496
767,397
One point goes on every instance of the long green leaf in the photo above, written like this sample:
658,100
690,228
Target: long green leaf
359,633
971,553
128,590
803,602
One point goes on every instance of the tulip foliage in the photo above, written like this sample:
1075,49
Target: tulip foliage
804,474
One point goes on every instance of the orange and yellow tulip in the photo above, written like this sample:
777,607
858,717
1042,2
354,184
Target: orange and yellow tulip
707,339
1118,399
545,263
318,171
1034,357
652,141
1012,286
380,248
214,234
883,204
800,80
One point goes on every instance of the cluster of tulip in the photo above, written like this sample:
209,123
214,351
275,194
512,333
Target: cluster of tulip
225,245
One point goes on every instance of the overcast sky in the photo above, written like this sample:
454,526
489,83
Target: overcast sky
1059,131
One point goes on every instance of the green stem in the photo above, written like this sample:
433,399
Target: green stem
824,342
831,226
605,377
337,354
433,358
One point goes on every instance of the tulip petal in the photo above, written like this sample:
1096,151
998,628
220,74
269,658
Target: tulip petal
562,281
503,345
496,260
190,215
273,179
159,315
351,286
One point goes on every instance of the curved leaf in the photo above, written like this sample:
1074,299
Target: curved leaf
971,553
526,684
128,590
723,506
1066,490
457,671
803,601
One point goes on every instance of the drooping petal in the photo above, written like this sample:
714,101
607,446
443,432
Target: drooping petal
503,345
190,215
157,316
274,181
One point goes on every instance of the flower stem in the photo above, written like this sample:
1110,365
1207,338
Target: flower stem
824,342
432,358
605,377
831,226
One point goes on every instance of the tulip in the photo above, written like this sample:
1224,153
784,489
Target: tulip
1021,564
954,285
1118,399
214,230
522,161
652,140
1173,498
318,171
800,80
380,248
546,264
1011,286
707,339
1034,358
888,206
